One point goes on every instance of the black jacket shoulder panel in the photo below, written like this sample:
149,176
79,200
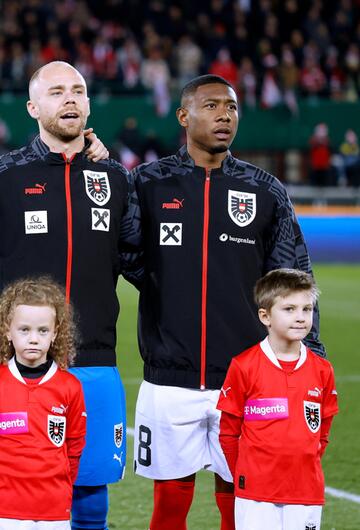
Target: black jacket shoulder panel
18,157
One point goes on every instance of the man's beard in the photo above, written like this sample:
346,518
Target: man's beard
215,149
64,132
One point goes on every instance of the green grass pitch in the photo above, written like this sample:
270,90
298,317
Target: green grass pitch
131,499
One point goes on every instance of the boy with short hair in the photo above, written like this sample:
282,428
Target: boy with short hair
278,401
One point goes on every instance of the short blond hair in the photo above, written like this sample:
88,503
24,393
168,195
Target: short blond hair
41,291
282,282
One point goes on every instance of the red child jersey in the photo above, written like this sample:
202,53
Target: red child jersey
42,434
279,447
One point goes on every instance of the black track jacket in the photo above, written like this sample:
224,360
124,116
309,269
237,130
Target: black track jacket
78,222
208,236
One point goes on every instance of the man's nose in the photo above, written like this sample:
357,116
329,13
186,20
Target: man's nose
224,115
69,97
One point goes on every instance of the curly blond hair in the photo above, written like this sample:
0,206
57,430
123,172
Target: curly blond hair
41,291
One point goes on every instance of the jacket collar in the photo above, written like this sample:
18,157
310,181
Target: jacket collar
43,151
185,160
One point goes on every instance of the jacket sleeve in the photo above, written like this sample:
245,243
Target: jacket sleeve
131,255
286,248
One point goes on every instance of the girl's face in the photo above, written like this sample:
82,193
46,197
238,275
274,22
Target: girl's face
31,330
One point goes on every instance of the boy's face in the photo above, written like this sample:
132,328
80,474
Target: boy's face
290,318
31,330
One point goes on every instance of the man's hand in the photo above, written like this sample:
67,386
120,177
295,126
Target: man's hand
97,150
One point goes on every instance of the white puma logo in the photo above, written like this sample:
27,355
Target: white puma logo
225,390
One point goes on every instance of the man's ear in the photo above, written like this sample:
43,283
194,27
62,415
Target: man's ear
32,109
182,116
264,316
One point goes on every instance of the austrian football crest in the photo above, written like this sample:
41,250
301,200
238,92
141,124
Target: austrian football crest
312,415
118,434
97,186
241,207
56,429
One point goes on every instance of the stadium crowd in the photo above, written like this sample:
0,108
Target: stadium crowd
270,50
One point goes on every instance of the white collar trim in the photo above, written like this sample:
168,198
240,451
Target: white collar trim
15,372
267,349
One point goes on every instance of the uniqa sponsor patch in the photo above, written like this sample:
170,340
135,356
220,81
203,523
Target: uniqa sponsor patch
36,222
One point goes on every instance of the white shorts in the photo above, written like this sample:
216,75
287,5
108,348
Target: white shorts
177,433
264,515
17,524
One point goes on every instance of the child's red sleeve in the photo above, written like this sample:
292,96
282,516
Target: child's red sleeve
230,430
324,433
75,439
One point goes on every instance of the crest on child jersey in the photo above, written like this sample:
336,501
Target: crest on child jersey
97,186
241,207
56,428
118,434
311,526
312,415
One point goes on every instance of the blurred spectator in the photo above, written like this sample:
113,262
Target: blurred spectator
152,147
297,46
247,83
188,59
84,61
350,153
289,78
104,59
320,156
34,57
128,144
155,75
130,59
130,136
4,138
53,50
312,79
289,18
225,67
352,64
270,90
336,77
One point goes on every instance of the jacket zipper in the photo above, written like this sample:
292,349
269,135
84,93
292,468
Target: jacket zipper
69,226
205,244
